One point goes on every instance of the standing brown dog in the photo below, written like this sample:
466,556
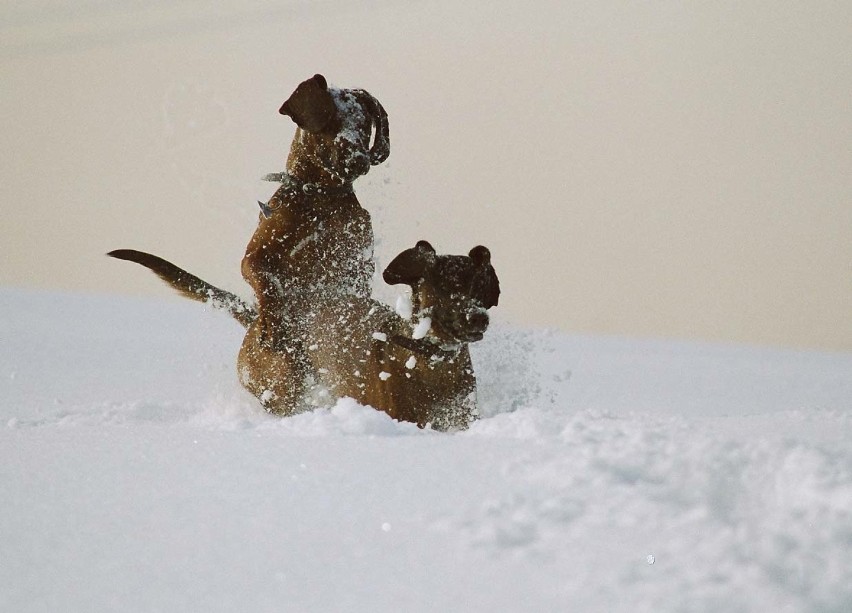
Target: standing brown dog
314,241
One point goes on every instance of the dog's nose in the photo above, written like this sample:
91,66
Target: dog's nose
357,164
478,319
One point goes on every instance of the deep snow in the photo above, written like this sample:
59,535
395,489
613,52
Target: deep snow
606,475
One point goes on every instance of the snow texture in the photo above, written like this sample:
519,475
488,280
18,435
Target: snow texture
421,329
404,306
605,475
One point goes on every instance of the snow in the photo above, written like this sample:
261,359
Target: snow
404,307
605,474
421,328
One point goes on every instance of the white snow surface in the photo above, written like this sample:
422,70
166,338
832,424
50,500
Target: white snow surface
421,329
605,475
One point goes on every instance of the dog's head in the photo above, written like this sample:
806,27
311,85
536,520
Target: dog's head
456,290
341,122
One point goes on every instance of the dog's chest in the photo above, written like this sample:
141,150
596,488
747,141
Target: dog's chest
354,353
317,247
422,388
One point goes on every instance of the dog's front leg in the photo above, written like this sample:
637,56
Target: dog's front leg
276,378
273,325
263,269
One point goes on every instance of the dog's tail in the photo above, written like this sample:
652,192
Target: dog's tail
190,286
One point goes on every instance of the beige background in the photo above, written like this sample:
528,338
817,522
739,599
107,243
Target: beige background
674,169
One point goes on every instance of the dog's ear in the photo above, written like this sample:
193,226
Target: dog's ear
492,292
411,265
380,150
311,105
481,257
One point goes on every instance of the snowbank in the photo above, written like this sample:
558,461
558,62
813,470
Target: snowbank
606,474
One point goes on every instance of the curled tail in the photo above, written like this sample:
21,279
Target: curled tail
190,286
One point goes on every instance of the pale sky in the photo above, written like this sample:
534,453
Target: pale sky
638,169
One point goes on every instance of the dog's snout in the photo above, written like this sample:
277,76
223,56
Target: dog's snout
357,164
478,319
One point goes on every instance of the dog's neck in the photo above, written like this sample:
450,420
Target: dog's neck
304,167
308,188
302,191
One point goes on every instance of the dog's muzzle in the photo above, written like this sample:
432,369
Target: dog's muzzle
478,320
469,326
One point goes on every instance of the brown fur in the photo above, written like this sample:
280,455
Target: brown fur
315,333
318,247
358,347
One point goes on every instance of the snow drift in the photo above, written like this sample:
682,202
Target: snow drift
606,474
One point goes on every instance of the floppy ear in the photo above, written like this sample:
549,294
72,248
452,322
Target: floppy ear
411,265
311,105
481,256
380,150
492,292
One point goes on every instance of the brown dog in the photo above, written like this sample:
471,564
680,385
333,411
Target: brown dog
314,241
414,368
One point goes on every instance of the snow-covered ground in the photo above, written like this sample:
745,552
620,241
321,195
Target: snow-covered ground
606,475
